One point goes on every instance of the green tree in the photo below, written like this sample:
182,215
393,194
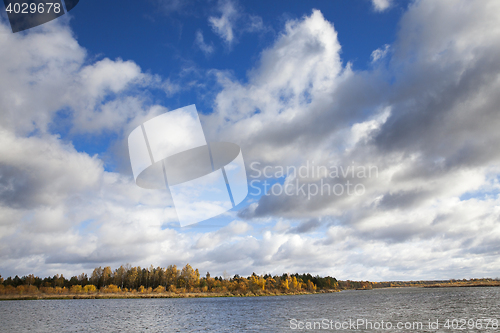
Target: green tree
83,279
96,277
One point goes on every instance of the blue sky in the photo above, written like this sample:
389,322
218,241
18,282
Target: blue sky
160,37
407,87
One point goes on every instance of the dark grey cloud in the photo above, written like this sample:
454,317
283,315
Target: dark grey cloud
403,200
306,226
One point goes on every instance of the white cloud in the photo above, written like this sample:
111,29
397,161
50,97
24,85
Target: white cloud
224,25
295,77
45,72
380,53
233,22
430,148
55,200
214,239
381,5
43,171
200,42
107,76
255,23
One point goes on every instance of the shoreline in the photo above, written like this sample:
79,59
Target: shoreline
42,296
152,295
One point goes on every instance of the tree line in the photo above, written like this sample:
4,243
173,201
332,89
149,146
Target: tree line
127,278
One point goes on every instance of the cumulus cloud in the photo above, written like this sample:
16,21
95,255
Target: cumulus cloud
430,133
300,69
55,200
45,72
42,171
307,107
214,239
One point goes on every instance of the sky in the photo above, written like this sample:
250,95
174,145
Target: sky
391,105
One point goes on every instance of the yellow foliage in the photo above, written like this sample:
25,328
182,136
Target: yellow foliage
111,289
20,290
284,284
47,290
77,289
159,289
258,282
242,286
295,284
59,290
90,288
270,282
31,289
10,290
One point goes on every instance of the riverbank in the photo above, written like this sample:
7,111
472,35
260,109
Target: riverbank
137,295
438,284
41,296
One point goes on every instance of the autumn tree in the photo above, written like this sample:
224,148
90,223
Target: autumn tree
59,280
119,276
257,283
106,276
83,279
30,279
131,278
96,277
161,277
171,276
294,283
284,284
310,286
190,276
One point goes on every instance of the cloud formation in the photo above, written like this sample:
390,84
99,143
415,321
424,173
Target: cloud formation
381,5
200,43
233,22
429,126
224,24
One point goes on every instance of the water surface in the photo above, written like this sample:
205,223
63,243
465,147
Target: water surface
260,314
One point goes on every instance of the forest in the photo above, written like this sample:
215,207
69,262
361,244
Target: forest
128,281
132,280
